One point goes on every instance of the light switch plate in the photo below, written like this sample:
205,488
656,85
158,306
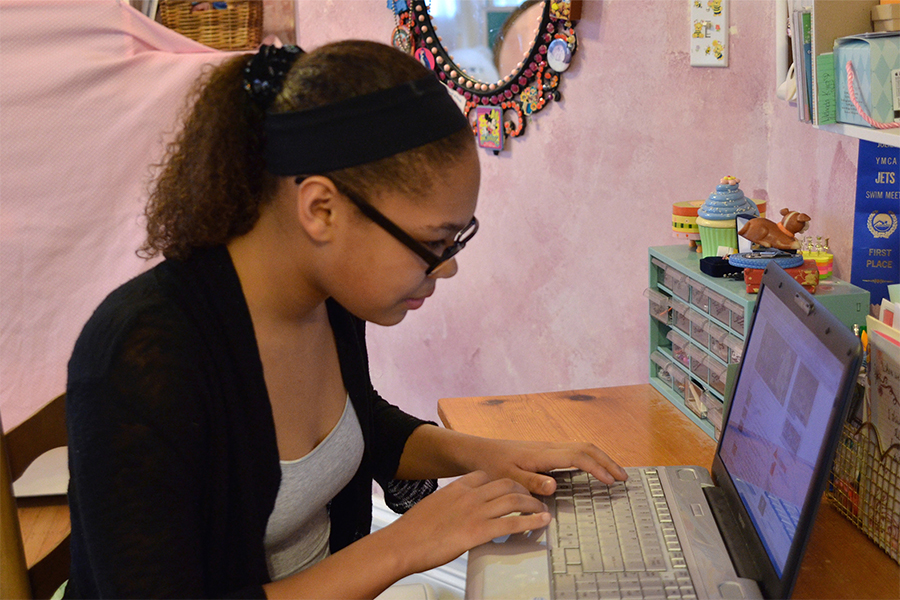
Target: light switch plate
709,33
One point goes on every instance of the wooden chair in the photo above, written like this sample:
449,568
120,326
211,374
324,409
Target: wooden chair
19,447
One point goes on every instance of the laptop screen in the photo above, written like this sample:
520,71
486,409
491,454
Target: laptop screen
776,428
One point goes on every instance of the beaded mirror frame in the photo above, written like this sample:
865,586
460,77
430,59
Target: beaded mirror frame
528,89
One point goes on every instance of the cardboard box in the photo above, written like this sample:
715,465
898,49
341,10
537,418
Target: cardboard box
806,275
873,57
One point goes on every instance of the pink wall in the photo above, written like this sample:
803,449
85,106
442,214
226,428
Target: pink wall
549,295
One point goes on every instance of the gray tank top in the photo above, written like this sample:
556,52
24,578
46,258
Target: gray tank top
298,528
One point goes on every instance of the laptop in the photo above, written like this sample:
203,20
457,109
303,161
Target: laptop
738,531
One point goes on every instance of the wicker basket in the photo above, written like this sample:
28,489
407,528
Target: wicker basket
865,486
237,27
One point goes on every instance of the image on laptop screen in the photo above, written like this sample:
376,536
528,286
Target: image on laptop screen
777,423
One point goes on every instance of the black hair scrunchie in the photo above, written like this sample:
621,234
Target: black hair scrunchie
265,72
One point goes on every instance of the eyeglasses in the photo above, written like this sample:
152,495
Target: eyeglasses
434,261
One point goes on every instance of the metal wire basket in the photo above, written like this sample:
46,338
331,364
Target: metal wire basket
232,25
865,486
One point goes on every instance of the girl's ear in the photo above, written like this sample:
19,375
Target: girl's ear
316,203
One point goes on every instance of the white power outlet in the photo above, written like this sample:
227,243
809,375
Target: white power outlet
709,33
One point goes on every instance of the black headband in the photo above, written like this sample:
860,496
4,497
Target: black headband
362,129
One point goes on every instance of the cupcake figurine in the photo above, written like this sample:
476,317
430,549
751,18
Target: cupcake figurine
716,218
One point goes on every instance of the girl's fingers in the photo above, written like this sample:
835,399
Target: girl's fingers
502,497
605,470
517,524
536,483
592,460
496,488
473,479
515,503
587,458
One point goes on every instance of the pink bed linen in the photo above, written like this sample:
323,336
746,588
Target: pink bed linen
90,92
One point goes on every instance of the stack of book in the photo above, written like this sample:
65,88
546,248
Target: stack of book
801,39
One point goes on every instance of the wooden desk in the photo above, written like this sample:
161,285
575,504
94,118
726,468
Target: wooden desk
44,523
638,427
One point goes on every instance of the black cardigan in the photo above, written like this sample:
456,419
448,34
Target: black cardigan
173,459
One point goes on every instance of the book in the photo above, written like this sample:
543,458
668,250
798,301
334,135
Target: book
806,21
802,49
883,372
826,99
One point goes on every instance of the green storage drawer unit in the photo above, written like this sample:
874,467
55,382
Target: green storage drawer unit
698,324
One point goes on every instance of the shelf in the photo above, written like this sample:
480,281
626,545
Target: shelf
888,137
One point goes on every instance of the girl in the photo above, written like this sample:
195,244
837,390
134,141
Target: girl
223,429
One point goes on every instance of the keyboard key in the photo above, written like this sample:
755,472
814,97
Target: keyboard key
564,583
591,562
558,561
634,564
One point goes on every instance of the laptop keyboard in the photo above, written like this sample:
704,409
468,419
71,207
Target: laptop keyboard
615,541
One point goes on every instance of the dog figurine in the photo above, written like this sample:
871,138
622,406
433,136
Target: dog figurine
768,234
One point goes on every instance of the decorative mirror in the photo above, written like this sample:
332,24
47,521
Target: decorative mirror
503,58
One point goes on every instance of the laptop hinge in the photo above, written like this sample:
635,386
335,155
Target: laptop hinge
734,536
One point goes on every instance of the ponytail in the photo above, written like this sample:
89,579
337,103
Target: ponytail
213,177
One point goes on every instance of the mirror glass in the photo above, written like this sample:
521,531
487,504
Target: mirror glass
487,38
502,60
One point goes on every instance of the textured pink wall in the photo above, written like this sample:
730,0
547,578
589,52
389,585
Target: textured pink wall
549,295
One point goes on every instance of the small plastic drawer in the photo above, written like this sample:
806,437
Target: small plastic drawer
692,399
713,410
679,380
718,309
663,367
737,316
698,327
717,337
735,348
680,346
680,284
698,363
659,305
661,269
699,296
669,277
717,374
679,315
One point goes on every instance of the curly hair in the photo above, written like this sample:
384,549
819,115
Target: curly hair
213,182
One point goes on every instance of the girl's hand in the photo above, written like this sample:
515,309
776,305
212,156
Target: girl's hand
526,462
465,513
468,512
434,452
